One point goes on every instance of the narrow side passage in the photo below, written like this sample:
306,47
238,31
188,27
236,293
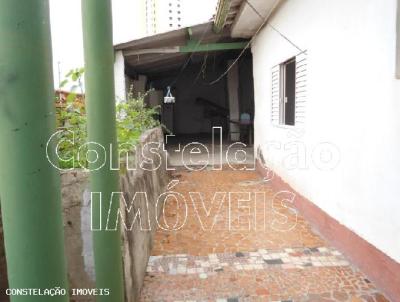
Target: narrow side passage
240,241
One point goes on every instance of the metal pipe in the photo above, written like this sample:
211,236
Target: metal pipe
29,185
100,102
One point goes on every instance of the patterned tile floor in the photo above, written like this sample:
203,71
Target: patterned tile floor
246,244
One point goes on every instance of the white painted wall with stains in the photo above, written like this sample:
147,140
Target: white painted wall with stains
353,103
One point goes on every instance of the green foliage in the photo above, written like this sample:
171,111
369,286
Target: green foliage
74,78
133,118
71,119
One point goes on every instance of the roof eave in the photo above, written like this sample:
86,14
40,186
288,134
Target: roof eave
248,19
221,15
252,16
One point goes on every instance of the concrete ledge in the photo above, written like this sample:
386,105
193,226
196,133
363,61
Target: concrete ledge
379,267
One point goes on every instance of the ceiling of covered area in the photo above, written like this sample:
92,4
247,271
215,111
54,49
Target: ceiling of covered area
236,21
171,50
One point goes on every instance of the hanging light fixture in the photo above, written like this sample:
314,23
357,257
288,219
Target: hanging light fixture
169,98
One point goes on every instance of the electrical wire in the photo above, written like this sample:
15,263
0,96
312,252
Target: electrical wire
190,57
270,25
251,41
202,70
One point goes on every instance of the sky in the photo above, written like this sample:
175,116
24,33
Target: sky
66,28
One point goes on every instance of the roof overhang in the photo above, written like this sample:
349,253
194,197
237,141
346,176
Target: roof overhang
226,13
243,17
170,50
251,16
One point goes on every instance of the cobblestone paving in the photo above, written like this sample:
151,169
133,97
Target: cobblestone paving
216,254
289,258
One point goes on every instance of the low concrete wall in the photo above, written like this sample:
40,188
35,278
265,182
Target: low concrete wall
151,182
136,244
147,179
78,236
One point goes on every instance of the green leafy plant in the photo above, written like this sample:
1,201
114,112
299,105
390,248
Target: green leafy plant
71,119
133,117
74,78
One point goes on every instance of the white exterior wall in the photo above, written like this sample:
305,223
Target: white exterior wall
119,77
353,103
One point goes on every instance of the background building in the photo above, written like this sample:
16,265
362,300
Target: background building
163,15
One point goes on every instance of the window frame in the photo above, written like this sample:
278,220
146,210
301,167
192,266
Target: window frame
282,93
299,92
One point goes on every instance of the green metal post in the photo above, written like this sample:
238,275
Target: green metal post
29,185
100,101
196,46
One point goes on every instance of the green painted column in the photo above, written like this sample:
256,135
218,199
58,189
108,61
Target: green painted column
29,185
100,102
